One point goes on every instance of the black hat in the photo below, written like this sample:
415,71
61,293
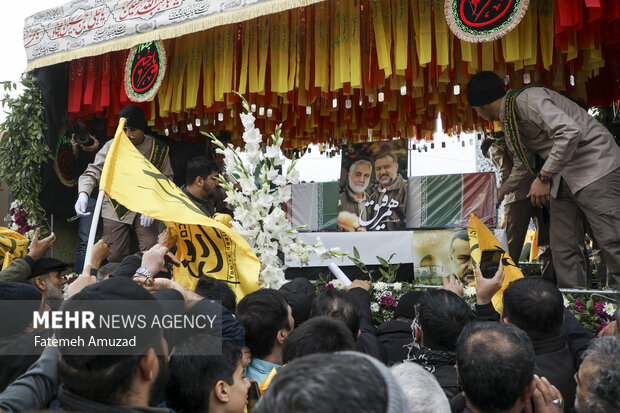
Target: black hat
406,305
484,88
135,117
30,299
299,294
45,265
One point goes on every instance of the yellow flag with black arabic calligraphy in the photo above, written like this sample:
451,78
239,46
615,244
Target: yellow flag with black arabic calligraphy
206,247
13,245
481,238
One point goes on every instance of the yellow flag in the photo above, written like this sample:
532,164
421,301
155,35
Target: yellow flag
356,58
208,70
12,245
534,251
322,47
423,31
205,246
510,46
546,28
382,41
488,59
481,238
442,38
251,28
194,64
400,12
177,73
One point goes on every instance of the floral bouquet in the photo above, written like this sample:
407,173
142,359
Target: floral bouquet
383,296
17,220
594,315
263,188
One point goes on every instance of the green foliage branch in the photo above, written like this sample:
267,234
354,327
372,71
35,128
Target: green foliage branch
23,149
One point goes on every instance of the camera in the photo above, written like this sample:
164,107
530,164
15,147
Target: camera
83,138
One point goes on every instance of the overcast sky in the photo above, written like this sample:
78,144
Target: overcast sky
12,19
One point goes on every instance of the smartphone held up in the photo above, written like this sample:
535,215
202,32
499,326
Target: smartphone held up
489,262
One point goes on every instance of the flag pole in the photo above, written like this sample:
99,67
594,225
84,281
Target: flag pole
93,228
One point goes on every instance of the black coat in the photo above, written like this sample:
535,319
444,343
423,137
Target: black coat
17,355
555,362
442,364
367,342
395,336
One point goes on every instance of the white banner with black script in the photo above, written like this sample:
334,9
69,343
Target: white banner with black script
92,27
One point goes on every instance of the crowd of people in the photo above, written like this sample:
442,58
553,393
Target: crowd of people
298,350
293,350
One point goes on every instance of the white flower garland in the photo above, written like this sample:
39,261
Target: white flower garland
263,189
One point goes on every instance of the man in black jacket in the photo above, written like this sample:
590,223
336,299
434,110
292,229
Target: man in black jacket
440,320
536,306
495,365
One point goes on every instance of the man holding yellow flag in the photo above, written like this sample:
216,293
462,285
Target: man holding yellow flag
118,218
205,247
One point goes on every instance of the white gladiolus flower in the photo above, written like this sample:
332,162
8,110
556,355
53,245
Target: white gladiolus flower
272,174
272,152
259,217
293,176
279,180
252,136
374,307
247,119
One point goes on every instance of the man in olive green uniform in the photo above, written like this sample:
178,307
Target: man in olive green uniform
387,209
518,209
580,176
118,220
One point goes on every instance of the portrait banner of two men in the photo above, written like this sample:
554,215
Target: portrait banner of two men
373,187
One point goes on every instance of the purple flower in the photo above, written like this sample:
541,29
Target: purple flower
387,301
602,326
327,286
599,312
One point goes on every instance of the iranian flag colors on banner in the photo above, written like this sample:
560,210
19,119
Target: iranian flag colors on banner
314,205
446,201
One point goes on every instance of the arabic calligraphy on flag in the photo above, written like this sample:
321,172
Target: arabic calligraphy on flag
206,247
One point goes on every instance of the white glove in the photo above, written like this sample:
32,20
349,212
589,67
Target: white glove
146,221
81,205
